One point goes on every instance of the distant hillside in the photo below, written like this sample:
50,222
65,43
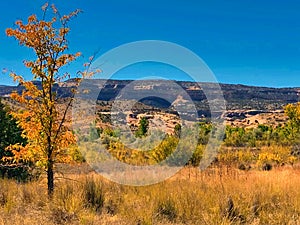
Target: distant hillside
246,106
237,96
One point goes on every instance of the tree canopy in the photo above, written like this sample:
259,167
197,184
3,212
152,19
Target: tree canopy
10,133
43,116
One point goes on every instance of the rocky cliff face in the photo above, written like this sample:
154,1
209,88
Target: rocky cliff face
236,96
242,102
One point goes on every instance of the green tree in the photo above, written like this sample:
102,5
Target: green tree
94,132
10,133
177,130
292,111
235,136
204,131
143,127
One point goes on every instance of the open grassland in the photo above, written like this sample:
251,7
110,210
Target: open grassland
215,196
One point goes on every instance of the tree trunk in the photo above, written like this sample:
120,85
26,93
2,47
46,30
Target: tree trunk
50,178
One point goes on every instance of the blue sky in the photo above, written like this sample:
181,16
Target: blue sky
246,42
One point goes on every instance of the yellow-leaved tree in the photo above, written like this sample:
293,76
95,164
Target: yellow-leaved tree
43,116
292,111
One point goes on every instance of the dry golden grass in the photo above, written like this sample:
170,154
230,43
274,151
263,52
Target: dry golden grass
215,196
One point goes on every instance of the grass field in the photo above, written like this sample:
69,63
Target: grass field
214,196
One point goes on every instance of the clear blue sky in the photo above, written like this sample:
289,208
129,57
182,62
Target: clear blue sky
242,41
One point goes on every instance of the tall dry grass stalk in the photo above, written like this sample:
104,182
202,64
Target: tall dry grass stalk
215,196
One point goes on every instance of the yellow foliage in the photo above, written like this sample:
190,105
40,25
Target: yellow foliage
276,154
42,118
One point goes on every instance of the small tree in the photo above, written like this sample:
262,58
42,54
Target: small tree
44,115
293,125
177,130
10,133
143,127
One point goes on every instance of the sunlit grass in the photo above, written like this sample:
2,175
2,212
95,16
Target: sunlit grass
190,197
